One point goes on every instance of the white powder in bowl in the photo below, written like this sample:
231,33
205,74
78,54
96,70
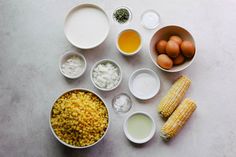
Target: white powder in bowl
73,66
150,19
122,103
106,75
144,84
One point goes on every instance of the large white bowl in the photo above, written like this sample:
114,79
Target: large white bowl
66,144
164,34
86,26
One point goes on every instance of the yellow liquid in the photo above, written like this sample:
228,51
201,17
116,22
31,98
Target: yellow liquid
139,126
129,41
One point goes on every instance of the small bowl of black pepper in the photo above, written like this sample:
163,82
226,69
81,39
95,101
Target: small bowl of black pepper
122,15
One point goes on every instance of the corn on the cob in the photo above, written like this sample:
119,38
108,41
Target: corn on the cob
174,96
177,120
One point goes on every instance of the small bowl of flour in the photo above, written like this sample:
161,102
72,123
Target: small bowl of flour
106,75
72,65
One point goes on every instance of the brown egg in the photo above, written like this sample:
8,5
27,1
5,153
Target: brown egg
188,49
164,61
177,39
161,46
179,60
172,49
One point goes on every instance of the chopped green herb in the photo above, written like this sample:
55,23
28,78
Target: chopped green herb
121,15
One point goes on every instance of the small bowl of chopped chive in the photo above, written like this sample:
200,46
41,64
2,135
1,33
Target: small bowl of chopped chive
122,15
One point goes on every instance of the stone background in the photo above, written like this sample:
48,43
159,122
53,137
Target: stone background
32,40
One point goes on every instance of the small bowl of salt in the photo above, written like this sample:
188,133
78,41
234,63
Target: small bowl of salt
72,65
122,103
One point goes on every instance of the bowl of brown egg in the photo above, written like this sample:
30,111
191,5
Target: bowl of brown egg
172,48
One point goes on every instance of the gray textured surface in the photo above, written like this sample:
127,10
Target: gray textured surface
32,40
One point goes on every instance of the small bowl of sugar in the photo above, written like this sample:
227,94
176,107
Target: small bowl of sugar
106,75
72,65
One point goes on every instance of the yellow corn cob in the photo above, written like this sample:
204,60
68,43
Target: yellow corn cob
177,120
174,96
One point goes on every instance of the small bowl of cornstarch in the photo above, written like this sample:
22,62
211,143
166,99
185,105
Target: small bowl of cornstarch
72,65
106,75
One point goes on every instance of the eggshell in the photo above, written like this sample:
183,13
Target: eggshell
188,49
177,39
172,49
161,47
164,61
179,60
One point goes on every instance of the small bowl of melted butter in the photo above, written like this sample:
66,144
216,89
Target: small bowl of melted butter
129,42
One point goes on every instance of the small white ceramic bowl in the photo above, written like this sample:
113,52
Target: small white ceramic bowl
130,137
123,52
66,56
130,15
150,19
71,146
147,94
102,62
164,34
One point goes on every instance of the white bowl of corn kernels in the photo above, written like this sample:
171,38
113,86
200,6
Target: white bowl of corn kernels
79,118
